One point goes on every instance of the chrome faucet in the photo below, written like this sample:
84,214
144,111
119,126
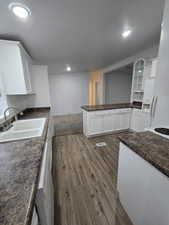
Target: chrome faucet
14,109
9,125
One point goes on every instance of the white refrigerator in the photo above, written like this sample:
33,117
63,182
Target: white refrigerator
160,106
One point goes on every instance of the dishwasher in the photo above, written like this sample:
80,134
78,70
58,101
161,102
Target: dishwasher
45,191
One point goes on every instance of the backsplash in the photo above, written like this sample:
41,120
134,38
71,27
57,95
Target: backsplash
41,110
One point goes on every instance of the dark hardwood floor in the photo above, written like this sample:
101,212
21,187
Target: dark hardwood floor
85,178
68,124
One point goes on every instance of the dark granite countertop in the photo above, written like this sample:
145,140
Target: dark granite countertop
90,108
31,113
19,172
151,147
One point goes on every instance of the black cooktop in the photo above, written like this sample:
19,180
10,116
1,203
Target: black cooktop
162,130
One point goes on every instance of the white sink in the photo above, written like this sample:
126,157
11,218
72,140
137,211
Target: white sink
24,129
21,125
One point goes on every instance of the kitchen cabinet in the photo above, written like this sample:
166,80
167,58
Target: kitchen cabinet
138,80
108,121
95,123
105,121
34,217
143,190
148,91
45,192
150,82
154,68
140,120
124,119
144,69
15,68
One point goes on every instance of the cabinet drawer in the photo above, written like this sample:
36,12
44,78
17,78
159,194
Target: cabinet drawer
102,113
124,110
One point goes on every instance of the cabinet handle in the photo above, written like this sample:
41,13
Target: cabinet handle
151,110
154,107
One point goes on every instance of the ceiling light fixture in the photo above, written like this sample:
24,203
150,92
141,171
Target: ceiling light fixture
68,68
20,10
126,33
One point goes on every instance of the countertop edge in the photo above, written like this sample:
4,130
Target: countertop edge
146,156
25,216
88,108
34,187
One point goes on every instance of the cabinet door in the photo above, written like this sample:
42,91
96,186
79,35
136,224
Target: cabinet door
141,189
15,68
154,68
96,124
139,120
148,91
135,121
124,121
11,70
45,192
130,186
147,73
108,122
116,121
26,63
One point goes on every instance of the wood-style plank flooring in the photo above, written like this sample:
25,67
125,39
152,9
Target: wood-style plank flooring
85,178
68,124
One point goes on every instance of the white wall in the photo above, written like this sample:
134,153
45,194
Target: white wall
3,105
40,86
41,98
68,92
19,101
151,52
118,87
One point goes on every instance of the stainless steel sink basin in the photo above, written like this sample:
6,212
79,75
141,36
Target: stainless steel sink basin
24,129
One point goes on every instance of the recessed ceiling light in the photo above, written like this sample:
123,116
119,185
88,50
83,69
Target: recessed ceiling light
126,33
68,68
20,10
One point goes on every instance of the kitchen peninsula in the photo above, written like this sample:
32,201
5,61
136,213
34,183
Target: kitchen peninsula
100,119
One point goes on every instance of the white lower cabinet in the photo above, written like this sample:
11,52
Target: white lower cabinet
124,120
108,122
95,125
143,190
105,121
139,120
34,217
45,192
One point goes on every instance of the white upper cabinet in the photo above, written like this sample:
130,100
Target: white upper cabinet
144,70
15,68
138,80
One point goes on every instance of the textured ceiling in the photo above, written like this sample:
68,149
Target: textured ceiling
83,33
